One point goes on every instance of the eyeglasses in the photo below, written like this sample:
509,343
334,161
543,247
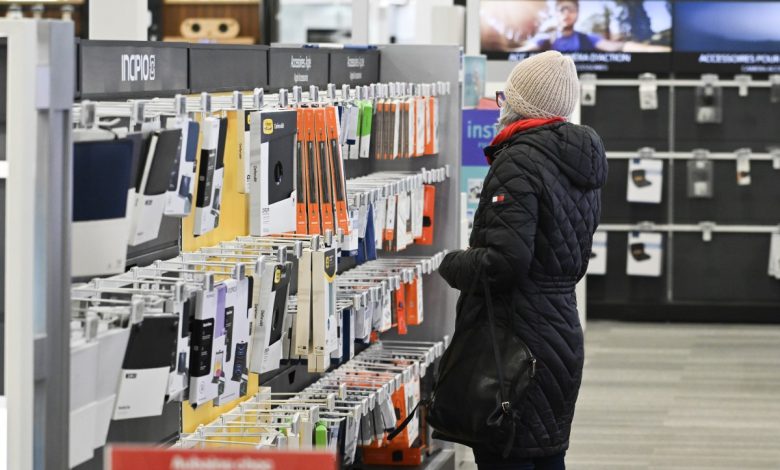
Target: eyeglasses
500,99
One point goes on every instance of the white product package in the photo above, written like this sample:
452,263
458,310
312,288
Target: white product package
645,180
182,185
210,175
645,254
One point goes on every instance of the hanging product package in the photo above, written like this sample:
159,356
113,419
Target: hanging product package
645,180
202,348
102,204
709,104
146,366
743,167
597,266
700,176
161,165
272,193
774,256
645,254
267,337
182,182
210,175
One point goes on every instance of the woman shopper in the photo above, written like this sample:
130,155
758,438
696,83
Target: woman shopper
518,343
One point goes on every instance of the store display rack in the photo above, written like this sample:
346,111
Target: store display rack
109,72
715,248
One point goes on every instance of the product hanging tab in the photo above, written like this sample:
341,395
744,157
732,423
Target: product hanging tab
700,175
743,167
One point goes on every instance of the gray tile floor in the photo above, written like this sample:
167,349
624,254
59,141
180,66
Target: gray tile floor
658,396
671,397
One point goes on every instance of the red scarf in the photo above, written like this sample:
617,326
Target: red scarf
519,126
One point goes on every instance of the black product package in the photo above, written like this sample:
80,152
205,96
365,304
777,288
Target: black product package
201,343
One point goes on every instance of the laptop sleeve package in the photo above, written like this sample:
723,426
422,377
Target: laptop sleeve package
268,334
102,191
272,172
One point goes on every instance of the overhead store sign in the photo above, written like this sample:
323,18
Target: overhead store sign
126,69
219,67
354,67
297,67
155,458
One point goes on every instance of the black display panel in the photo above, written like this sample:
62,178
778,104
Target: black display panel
726,36
627,127
748,121
354,67
711,277
730,204
600,35
288,67
227,67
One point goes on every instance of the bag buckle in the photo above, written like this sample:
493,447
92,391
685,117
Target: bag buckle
506,406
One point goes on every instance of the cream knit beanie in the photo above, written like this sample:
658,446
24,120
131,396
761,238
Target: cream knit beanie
543,86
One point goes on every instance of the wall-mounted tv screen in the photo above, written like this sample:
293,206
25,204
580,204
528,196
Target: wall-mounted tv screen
600,35
727,36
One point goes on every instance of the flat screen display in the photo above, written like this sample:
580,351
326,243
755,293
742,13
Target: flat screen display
727,36
600,35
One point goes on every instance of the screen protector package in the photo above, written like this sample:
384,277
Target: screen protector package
700,177
272,176
645,254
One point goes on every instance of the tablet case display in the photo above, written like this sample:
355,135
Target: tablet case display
244,139
207,206
151,196
301,177
429,206
146,367
323,164
420,118
272,192
268,337
182,183
102,195
202,350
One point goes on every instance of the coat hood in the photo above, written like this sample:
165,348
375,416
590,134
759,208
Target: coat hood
576,150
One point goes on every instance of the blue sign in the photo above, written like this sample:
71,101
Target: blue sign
479,128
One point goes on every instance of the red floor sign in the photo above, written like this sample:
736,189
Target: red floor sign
149,458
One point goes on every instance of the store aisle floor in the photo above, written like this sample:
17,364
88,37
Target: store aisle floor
678,397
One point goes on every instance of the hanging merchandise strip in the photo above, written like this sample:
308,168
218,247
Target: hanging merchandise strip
196,328
350,408
394,209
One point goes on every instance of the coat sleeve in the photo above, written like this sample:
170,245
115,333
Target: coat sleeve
507,247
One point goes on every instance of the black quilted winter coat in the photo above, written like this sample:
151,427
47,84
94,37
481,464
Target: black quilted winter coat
532,235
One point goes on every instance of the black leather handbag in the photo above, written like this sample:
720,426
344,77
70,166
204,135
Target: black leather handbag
478,388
